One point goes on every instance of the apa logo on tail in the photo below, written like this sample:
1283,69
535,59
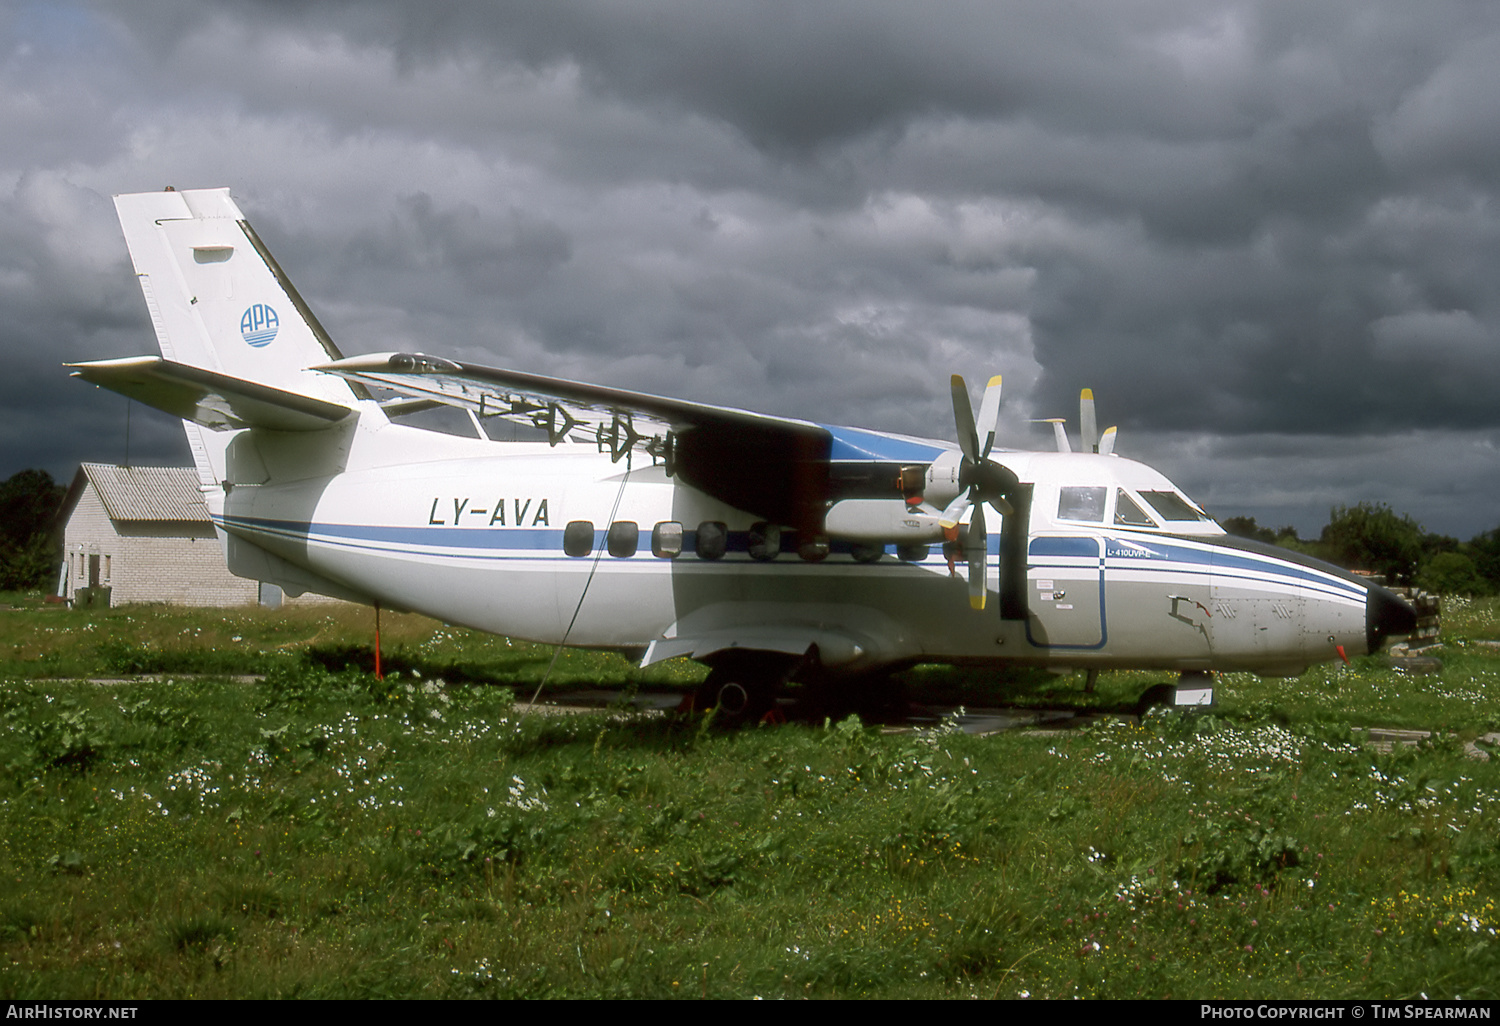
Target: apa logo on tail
259,325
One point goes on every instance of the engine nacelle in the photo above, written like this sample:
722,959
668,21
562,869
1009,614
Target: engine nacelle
941,486
883,520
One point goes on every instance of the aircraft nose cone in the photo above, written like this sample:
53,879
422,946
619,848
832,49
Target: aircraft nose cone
1387,615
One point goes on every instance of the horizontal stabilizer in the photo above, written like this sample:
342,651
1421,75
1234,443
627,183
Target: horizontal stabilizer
205,397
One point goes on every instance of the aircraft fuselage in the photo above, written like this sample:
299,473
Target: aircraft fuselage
475,534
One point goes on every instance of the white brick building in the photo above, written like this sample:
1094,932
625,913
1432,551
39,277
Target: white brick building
144,533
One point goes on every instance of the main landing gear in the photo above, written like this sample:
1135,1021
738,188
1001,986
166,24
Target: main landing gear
742,686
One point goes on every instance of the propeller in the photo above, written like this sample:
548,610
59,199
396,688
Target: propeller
981,479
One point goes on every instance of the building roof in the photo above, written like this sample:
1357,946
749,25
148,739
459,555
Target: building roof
142,493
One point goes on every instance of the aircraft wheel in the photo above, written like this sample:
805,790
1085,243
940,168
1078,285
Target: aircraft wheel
742,690
1156,695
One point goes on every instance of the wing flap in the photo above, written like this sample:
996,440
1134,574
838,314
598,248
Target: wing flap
216,401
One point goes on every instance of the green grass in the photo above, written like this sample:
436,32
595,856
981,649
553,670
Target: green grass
38,640
324,834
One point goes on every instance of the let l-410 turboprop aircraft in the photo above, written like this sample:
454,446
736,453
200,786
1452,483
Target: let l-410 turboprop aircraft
766,548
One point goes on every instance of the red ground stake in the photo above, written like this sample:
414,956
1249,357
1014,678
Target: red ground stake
378,674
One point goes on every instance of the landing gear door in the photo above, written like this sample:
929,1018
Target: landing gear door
1065,576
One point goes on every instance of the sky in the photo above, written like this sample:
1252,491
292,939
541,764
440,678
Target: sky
1266,234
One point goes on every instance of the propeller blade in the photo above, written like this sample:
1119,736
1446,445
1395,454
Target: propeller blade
954,513
1088,427
989,415
963,415
974,552
1107,441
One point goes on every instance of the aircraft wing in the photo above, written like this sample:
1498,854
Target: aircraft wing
216,401
774,467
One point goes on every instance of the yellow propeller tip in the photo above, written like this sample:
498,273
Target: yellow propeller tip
976,601
993,381
1087,393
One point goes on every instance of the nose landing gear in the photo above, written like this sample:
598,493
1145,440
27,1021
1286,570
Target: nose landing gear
1193,688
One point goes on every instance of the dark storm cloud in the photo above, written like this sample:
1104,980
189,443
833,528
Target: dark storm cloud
1232,167
1240,222
67,294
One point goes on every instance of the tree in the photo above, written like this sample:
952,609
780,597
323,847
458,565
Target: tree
1484,549
28,550
1451,573
1246,527
1374,537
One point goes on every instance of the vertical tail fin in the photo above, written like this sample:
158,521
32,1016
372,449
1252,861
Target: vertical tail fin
219,301
217,297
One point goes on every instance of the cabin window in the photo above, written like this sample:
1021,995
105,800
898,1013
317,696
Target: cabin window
712,540
578,538
1172,506
1081,503
666,540
763,541
1128,514
623,539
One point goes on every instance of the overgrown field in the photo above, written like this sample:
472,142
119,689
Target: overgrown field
324,834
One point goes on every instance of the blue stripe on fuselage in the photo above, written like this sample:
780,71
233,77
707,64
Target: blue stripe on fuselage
1125,553
1121,553
489,542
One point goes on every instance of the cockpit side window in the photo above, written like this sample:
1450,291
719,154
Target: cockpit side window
1128,514
1081,503
1172,506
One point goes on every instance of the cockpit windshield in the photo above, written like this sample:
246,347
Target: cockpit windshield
1128,514
1171,506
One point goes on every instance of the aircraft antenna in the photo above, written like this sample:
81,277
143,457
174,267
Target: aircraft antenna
589,580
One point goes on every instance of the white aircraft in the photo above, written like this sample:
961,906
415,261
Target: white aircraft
769,549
